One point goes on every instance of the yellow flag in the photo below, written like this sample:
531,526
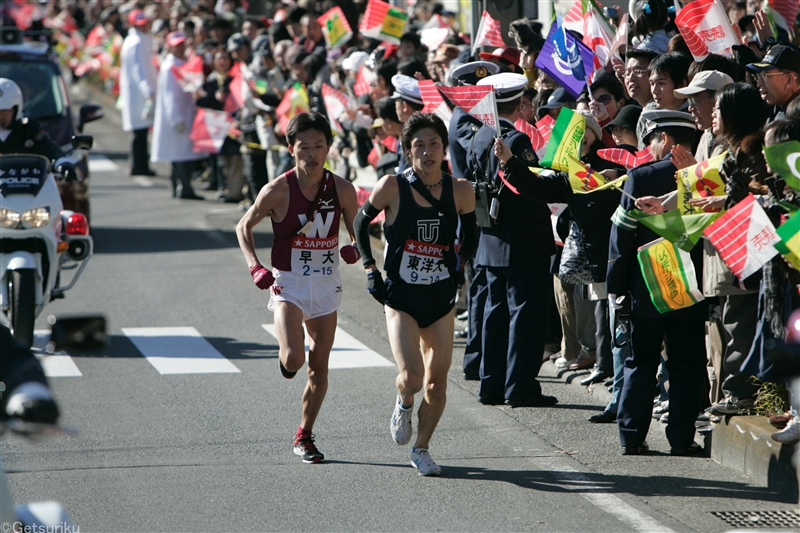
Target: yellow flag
565,139
700,181
582,178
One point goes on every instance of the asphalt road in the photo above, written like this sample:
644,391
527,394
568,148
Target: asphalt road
160,451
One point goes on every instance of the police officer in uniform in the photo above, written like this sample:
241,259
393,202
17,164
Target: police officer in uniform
515,252
683,330
407,101
463,128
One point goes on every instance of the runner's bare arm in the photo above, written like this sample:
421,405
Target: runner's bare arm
274,197
464,196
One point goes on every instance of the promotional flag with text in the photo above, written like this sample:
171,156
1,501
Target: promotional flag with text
783,159
364,81
335,27
699,181
489,33
623,157
744,237
565,140
706,28
190,75
476,100
209,130
669,275
545,127
383,22
434,103
597,33
570,59
295,101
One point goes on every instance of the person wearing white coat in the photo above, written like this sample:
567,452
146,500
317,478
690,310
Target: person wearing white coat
137,87
175,111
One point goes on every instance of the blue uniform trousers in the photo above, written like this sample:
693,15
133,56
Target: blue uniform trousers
514,330
476,302
686,363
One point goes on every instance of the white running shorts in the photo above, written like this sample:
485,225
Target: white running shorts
316,296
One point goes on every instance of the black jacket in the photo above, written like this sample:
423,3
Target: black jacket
28,137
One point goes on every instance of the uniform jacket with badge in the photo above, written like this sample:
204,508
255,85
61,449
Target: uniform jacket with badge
175,110
624,273
28,137
137,79
524,233
463,127
592,212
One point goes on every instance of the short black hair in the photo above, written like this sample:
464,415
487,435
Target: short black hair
742,111
419,121
673,65
413,38
386,68
386,109
649,16
723,64
637,53
611,84
506,108
411,65
678,134
312,64
308,121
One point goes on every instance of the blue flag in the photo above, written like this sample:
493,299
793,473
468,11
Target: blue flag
565,59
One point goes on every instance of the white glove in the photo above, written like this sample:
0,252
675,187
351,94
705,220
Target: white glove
612,302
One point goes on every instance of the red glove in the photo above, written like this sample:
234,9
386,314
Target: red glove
262,277
350,254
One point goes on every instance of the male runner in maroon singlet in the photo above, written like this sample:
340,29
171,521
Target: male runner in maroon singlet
305,205
427,212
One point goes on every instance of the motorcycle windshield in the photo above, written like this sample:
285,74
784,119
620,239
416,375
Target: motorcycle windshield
22,174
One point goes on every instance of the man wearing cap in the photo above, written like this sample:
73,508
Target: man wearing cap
175,110
515,252
700,94
557,100
137,88
407,101
239,46
683,330
778,78
506,58
463,127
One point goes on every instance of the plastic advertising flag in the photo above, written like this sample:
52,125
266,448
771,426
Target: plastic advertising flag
699,181
669,275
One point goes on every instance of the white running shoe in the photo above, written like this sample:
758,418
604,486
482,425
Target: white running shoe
790,434
400,425
421,460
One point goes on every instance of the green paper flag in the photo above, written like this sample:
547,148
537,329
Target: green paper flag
683,231
783,159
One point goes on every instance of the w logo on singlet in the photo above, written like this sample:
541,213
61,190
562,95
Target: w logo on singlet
321,227
428,230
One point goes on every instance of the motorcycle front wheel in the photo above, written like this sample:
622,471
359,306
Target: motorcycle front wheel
22,304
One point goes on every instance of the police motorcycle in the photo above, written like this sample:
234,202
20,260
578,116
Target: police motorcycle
38,239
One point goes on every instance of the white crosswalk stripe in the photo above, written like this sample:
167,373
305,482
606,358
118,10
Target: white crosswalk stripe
57,365
180,350
100,163
347,351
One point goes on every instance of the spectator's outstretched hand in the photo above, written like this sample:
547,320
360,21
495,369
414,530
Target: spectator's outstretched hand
681,157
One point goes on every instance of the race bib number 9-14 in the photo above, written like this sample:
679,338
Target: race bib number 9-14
423,263
315,257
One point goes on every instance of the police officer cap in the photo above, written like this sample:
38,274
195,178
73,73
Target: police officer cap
236,41
472,73
665,118
507,85
406,88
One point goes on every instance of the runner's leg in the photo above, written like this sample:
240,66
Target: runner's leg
437,352
321,330
404,340
291,339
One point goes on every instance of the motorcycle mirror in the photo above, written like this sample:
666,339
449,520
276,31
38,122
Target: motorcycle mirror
84,142
86,332
89,113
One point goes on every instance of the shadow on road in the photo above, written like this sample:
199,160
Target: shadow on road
157,240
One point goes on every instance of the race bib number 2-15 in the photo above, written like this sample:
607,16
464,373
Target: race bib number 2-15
423,263
315,257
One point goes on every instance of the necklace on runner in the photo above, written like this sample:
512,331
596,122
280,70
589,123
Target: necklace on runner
431,187
310,183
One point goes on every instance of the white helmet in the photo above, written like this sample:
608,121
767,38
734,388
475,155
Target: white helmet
10,96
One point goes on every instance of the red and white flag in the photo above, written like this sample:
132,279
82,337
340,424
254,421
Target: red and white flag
476,100
364,81
545,127
190,74
539,146
390,142
598,36
621,38
744,236
623,157
434,103
573,20
433,38
336,103
706,28
209,130
237,89
489,33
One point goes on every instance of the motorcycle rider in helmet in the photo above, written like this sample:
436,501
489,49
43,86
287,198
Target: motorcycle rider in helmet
19,135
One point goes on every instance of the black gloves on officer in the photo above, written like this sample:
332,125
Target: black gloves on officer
67,170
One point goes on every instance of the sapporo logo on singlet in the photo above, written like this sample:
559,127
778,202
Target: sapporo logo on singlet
423,261
314,254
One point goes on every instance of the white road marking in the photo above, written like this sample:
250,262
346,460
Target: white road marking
57,365
100,163
143,181
179,350
347,352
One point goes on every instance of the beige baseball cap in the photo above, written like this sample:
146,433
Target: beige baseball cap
707,80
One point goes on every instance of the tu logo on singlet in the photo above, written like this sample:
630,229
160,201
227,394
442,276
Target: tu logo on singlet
321,226
428,230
